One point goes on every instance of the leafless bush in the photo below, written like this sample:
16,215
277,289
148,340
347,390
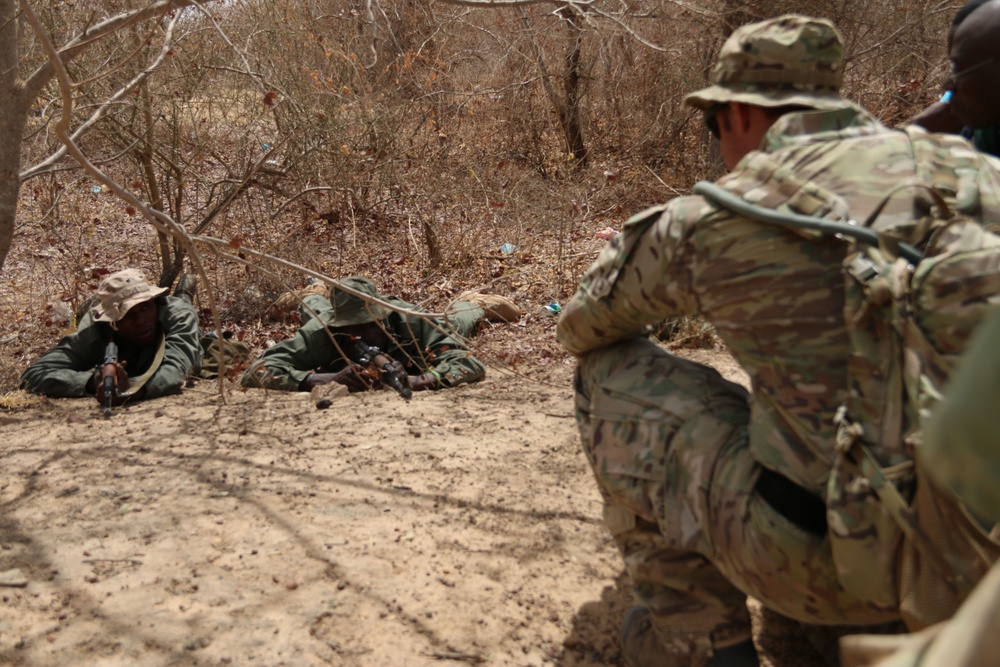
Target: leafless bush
407,140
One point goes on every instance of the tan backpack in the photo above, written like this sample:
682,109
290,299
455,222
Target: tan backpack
911,305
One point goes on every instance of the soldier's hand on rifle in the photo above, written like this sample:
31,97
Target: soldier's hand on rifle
120,380
422,382
353,377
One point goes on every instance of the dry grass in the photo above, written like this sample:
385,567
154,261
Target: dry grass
18,400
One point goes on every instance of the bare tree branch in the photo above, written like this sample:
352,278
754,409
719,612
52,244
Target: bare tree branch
944,6
41,76
162,221
84,127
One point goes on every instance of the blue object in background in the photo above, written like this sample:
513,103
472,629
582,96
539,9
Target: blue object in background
946,97
508,248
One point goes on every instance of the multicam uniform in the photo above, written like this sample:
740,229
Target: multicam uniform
421,346
713,494
961,451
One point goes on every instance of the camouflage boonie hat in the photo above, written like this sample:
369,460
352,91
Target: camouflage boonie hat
120,291
789,60
349,309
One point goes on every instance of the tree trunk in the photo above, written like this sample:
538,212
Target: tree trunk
12,122
17,94
571,121
567,111
13,117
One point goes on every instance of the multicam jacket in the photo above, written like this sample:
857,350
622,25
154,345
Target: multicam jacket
63,371
776,296
421,346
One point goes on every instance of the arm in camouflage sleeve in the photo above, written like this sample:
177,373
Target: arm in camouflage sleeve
64,370
182,348
637,280
286,365
445,357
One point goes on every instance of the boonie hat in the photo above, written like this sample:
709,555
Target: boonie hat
120,291
789,60
349,309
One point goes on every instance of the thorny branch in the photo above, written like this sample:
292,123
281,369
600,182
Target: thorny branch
163,222
45,165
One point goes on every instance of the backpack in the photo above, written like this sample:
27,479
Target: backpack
235,355
911,304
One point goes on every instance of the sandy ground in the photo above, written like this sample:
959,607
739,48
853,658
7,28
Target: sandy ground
463,526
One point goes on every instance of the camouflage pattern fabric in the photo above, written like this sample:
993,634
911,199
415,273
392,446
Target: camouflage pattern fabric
962,443
235,354
776,297
790,60
421,346
967,640
655,428
961,451
64,370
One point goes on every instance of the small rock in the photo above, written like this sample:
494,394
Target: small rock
13,579
327,393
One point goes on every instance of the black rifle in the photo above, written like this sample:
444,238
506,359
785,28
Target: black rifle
110,380
370,355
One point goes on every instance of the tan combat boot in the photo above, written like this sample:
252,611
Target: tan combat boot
288,301
497,308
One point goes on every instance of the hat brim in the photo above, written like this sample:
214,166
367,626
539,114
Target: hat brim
706,98
100,315
371,313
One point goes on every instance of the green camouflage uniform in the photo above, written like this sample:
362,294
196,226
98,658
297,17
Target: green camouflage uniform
64,370
422,346
676,450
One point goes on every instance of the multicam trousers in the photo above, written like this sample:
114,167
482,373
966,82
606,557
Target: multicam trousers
667,440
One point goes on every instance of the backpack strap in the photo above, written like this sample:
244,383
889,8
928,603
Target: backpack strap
722,198
951,570
136,383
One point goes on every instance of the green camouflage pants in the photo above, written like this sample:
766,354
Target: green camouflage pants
667,440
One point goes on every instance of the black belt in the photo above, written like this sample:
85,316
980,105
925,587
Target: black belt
797,504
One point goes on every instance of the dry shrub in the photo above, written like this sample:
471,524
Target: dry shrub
410,147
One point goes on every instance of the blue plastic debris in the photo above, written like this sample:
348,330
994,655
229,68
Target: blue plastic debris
508,248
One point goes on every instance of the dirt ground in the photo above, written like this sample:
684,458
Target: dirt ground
463,526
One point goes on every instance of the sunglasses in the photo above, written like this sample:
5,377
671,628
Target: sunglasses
711,122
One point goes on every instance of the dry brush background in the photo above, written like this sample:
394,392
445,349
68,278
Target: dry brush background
406,140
